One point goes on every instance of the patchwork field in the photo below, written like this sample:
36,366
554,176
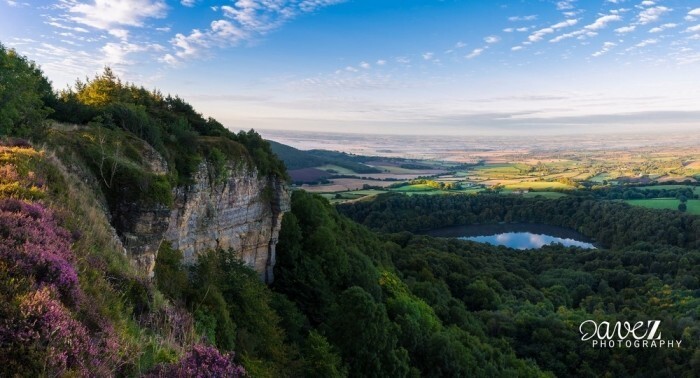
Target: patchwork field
510,171
667,204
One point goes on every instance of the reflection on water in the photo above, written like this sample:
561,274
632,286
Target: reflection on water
517,236
526,240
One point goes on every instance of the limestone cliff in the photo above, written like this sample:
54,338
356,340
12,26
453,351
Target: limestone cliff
243,211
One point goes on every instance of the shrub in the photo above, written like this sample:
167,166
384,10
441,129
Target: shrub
202,361
33,244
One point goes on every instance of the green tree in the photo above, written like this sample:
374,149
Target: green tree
360,327
23,90
320,359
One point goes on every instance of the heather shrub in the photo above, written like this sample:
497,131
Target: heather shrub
201,362
47,325
33,244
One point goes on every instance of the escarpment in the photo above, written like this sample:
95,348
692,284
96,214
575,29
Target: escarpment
243,211
224,204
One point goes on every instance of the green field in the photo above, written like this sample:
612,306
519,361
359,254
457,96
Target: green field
537,185
667,204
601,177
550,195
414,188
696,189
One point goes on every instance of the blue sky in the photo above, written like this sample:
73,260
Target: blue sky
386,66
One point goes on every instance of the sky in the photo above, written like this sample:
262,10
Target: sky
440,67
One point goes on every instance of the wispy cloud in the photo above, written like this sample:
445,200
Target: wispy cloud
105,14
590,29
603,21
475,53
539,34
531,17
244,20
626,29
607,46
651,14
663,27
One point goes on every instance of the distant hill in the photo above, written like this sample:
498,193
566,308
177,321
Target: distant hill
297,159
294,158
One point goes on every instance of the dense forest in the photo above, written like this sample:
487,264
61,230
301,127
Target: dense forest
611,224
358,291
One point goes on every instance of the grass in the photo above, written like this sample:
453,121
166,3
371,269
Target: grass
666,204
696,189
537,185
600,177
415,188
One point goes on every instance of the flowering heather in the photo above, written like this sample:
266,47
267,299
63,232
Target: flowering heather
32,243
201,362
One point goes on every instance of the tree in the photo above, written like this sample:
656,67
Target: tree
360,327
23,89
682,207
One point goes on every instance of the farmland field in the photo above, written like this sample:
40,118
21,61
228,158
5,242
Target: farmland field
667,204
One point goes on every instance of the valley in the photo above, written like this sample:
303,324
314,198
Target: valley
549,168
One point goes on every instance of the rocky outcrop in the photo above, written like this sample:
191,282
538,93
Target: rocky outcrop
243,212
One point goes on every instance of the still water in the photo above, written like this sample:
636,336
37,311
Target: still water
517,236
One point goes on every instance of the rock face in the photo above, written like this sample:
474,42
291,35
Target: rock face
243,212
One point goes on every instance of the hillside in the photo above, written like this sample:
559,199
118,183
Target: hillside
295,159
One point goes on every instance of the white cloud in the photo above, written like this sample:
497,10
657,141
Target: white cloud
663,27
590,29
693,29
116,54
531,17
492,39
119,33
651,14
475,53
62,26
606,47
516,48
188,3
365,65
381,62
539,34
647,3
428,56
508,30
245,19
565,5
523,29
188,46
603,21
626,29
694,12
103,14
647,42
460,45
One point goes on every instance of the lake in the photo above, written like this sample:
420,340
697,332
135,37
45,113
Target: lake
517,236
